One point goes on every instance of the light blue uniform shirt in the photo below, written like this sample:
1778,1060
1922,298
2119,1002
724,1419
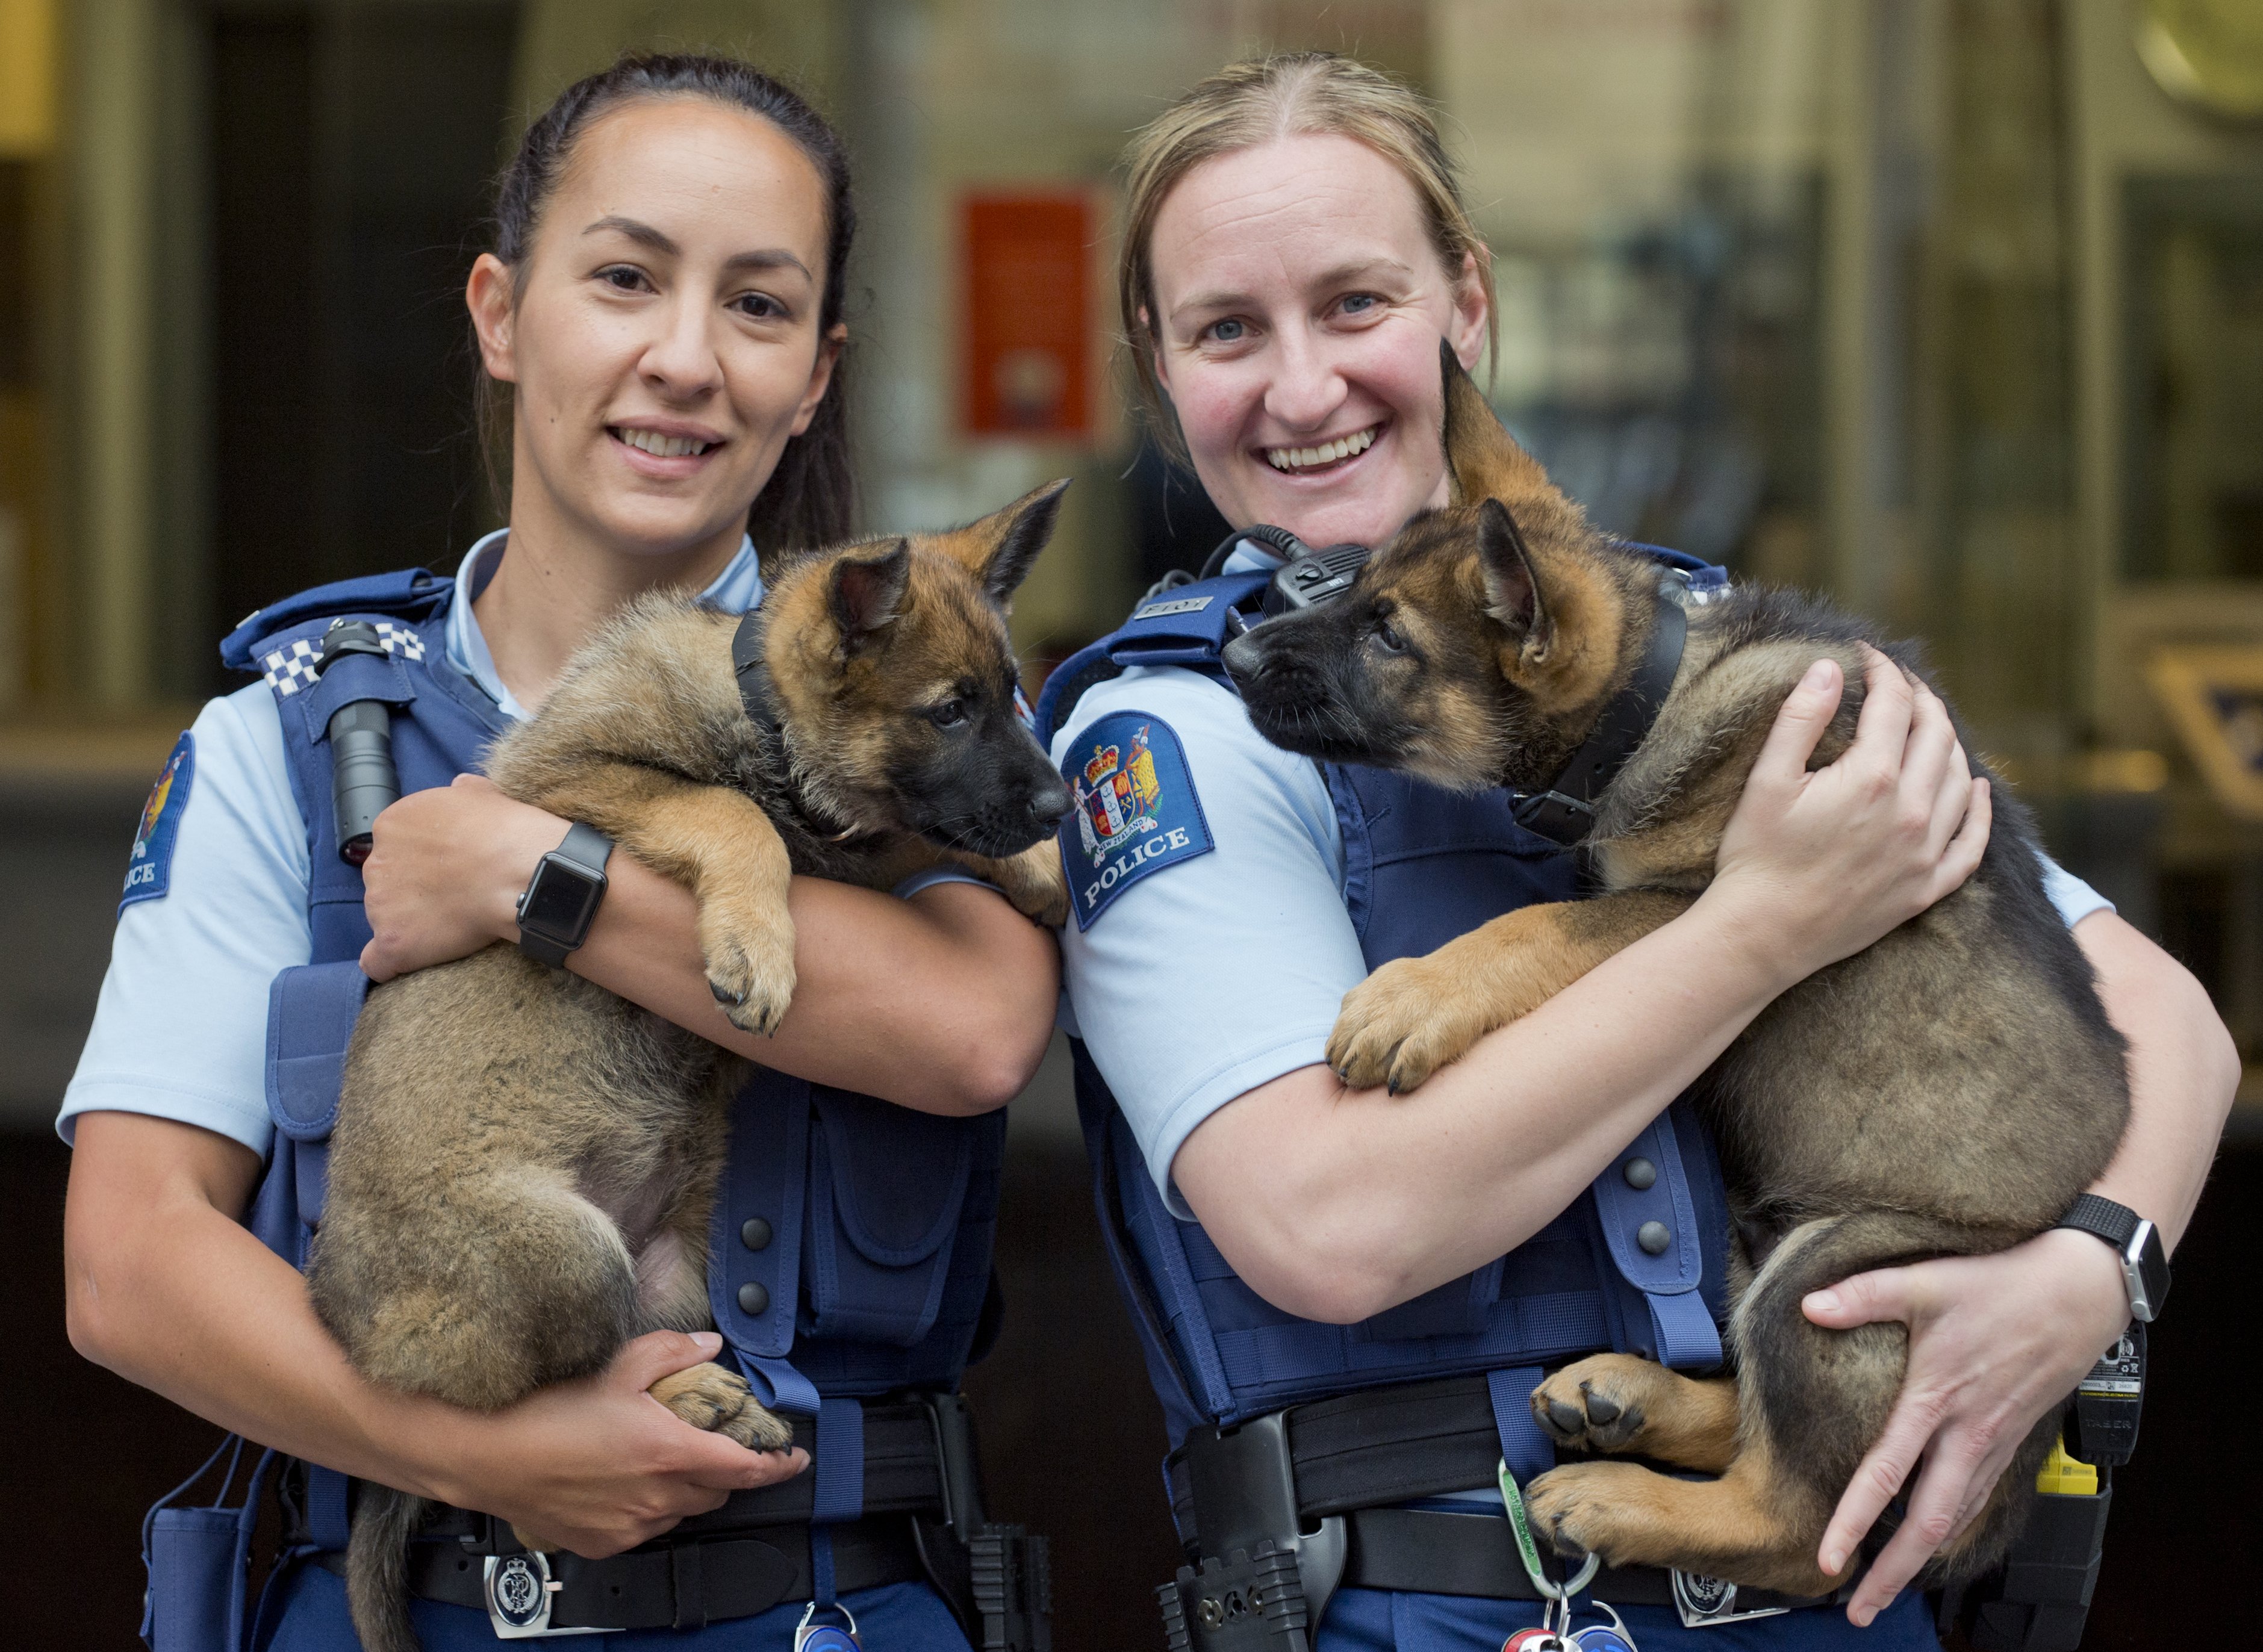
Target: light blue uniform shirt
180,1031
1211,976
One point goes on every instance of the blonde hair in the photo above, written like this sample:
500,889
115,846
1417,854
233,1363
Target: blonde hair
1254,102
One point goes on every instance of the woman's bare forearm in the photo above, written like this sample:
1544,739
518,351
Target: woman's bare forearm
1370,1199
210,1317
2183,1072
942,1002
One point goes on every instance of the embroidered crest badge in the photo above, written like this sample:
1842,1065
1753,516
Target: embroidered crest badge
149,870
1136,809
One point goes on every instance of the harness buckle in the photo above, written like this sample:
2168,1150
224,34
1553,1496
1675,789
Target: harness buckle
520,1592
1703,1602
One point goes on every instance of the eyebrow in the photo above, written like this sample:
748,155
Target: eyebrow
659,241
1226,298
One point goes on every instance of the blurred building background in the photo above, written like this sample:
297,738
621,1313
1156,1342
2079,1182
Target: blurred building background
1952,308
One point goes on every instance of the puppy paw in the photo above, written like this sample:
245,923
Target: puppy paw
751,971
1403,1023
1033,880
1596,1405
1585,1507
1037,884
710,1397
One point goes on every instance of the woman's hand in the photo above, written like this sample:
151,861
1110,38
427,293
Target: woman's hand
1820,863
445,869
1994,1342
599,1465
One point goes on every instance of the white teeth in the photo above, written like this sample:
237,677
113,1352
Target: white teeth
660,446
1297,458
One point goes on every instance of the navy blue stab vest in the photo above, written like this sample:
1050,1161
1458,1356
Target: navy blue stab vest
1421,866
876,1272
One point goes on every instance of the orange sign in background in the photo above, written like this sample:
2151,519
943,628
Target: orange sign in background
1029,334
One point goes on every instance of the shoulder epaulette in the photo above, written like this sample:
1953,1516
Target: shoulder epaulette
410,594
1184,625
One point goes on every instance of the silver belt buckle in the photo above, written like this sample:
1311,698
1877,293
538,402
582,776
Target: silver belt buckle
1704,1601
519,1592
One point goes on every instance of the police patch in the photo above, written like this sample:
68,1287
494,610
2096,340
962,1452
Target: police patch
1136,809
150,870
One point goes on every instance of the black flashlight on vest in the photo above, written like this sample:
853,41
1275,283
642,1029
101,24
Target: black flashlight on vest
363,779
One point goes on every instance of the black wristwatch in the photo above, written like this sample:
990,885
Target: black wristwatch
2145,1263
561,897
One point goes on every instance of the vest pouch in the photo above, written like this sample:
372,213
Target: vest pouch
198,1561
311,1011
885,1188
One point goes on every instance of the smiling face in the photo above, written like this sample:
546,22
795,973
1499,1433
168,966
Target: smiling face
1300,305
663,337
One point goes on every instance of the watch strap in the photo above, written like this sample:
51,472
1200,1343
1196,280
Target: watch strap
2092,1214
2135,1241
585,849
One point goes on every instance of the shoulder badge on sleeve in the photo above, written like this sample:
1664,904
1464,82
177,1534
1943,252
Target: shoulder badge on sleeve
1136,809
149,871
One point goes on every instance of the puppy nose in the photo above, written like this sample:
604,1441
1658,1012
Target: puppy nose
1243,657
1048,805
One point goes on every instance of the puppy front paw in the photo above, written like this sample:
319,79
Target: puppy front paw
1582,1509
708,1396
1410,1018
750,970
1035,881
1600,1403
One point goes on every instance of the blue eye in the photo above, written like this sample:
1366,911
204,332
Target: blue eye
1359,302
1227,332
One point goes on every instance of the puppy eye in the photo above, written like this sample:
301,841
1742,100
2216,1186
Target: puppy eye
1387,637
949,714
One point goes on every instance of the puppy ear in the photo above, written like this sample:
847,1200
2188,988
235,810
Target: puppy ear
867,589
1000,548
1485,461
1512,584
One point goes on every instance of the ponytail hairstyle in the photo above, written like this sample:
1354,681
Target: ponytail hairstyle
809,498
1250,103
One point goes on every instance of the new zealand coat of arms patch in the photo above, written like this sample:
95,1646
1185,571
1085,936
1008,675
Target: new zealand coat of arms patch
1136,809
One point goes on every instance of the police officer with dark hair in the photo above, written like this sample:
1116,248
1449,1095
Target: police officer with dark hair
664,304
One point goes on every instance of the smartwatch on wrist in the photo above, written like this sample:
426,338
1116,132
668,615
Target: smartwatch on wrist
2145,1263
561,898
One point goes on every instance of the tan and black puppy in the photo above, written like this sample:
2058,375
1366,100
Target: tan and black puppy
1950,1090
523,1163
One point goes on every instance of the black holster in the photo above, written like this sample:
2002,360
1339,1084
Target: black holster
1259,1582
2038,1600
997,1579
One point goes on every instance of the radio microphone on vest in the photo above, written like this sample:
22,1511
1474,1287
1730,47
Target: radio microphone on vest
363,779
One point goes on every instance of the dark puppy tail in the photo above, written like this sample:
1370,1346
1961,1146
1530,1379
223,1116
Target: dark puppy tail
377,1568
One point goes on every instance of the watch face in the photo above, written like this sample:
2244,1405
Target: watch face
2146,1266
559,902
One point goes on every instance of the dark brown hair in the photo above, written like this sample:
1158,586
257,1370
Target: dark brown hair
810,499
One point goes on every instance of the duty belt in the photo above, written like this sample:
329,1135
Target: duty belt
1313,1492
675,1583
923,1518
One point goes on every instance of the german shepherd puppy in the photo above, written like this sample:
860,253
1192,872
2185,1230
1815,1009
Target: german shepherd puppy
523,1163
1951,1090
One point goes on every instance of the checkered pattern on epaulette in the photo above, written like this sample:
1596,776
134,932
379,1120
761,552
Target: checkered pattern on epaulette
292,668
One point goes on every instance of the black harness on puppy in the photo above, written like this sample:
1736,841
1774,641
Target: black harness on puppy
1565,813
